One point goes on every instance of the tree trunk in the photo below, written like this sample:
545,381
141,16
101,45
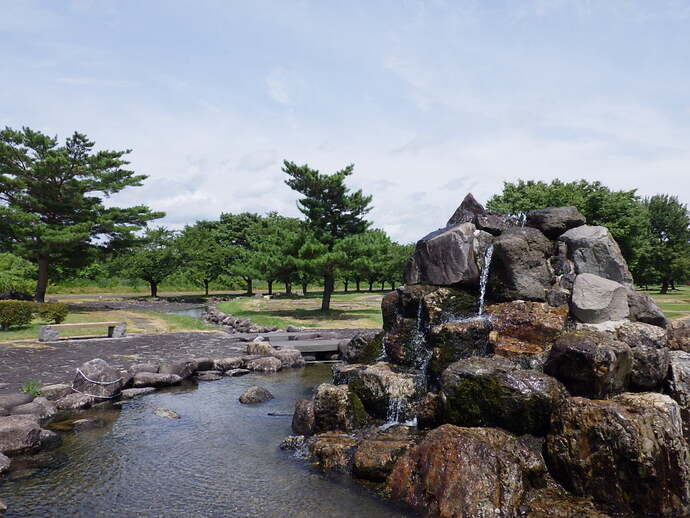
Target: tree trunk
304,288
673,285
288,288
42,283
392,285
383,285
371,286
328,286
664,287
250,286
357,284
154,288
206,287
270,287
346,282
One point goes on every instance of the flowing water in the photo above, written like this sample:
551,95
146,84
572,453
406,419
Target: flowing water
191,312
484,278
221,459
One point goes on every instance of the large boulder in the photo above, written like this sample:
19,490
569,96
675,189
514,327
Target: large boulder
454,341
459,472
553,221
98,379
384,393
550,502
40,407
265,364
260,347
333,409
254,395
183,368
628,453
519,267
471,211
364,347
493,392
677,385
644,309
445,257
590,364
403,341
332,451
378,452
303,418
155,379
9,401
679,334
289,358
650,354
19,434
593,250
596,299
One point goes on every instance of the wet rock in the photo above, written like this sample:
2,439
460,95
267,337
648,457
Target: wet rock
289,358
237,372
254,395
678,334
183,368
677,385
260,348
50,440
445,257
99,379
493,392
4,464
628,453
554,221
380,389
135,392
556,503
362,348
344,373
519,268
265,364
19,434
404,302
376,454
9,401
637,334
533,322
143,367
83,425
557,297
332,409
527,355
154,379
40,407
227,364
454,341
429,411
443,304
57,391
209,375
650,354
75,401
293,443
485,475
596,299
401,342
644,309
166,413
332,451
590,364
303,418
204,364
594,251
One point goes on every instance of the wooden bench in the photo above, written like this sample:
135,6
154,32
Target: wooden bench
51,332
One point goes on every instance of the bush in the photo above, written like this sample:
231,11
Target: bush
31,387
15,313
53,312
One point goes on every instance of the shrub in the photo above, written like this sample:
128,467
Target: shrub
15,313
31,387
53,312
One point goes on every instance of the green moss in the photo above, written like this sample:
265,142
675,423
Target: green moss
373,349
473,402
359,414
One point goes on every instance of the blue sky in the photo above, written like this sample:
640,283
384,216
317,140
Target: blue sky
429,100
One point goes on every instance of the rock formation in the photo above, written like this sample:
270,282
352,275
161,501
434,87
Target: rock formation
518,373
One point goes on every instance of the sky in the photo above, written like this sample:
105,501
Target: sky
429,100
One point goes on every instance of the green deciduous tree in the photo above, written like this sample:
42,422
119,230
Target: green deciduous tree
153,259
333,212
51,206
233,234
16,274
202,257
669,230
621,211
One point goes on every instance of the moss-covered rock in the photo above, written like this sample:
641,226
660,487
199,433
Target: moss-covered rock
454,341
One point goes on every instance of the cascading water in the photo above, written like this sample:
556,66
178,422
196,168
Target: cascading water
488,254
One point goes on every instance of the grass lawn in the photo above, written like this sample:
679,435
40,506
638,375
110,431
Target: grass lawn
137,322
675,303
348,310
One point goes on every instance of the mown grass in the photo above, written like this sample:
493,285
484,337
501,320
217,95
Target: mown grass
675,303
137,322
348,310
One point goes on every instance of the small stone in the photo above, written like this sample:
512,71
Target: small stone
152,379
227,364
289,358
203,364
57,391
184,368
294,329
134,392
75,401
260,348
209,375
40,407
143,367
19,434
49,439
265,364
237,372
293,442
303,418
255,395
9,401
166,413
81,425
4,463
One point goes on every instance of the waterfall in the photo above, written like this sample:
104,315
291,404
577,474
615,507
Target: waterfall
485,277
